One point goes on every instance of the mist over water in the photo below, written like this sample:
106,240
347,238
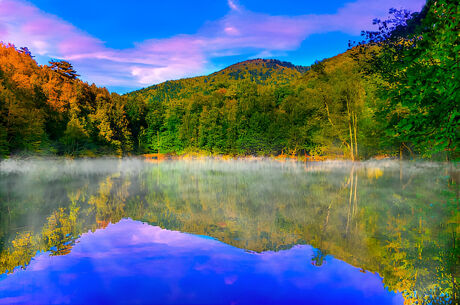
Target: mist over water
110,165
398,220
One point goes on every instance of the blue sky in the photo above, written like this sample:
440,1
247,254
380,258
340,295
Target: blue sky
126,45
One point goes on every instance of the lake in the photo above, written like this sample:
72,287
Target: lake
212,231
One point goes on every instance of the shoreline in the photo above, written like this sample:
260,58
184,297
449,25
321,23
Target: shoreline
158,158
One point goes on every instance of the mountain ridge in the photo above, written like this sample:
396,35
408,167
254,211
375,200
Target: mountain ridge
268,63
257,70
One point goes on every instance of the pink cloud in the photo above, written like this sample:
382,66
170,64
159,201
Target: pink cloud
79,45
45,34
233,5
357,16
155,60
253,30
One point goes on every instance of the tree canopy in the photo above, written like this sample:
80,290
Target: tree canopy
396,93
416,58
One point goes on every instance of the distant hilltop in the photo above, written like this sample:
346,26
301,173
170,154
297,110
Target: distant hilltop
260,71
267,63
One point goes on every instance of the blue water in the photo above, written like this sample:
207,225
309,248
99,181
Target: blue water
133,262
118,231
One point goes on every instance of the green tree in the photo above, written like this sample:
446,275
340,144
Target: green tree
417,58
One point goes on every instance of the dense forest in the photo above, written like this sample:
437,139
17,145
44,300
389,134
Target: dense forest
395,93
48,110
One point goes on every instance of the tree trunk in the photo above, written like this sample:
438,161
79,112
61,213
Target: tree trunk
351,140
351,132
355,127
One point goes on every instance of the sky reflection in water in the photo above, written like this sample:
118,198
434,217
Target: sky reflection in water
134,262
398,220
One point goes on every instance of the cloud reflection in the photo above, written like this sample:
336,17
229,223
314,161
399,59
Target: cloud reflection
137,263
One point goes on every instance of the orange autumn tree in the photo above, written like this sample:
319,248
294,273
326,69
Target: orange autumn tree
47,109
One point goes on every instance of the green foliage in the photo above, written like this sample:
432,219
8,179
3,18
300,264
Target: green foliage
417,60
261,107
3,142
75,136
406,101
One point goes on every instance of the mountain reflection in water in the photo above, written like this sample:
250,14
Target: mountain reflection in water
399,221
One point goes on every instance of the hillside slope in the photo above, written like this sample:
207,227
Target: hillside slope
255,107
263,107
260,71
47,110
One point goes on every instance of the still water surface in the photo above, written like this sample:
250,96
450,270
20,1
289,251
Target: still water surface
228,232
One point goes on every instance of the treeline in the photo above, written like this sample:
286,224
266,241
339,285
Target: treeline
258,107
327,110
414,60
48,110
394,94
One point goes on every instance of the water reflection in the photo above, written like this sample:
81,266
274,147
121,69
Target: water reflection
399,220
131,262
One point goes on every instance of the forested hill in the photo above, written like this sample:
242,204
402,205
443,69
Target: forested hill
260,71
264,107
257,64
382,97
47,110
